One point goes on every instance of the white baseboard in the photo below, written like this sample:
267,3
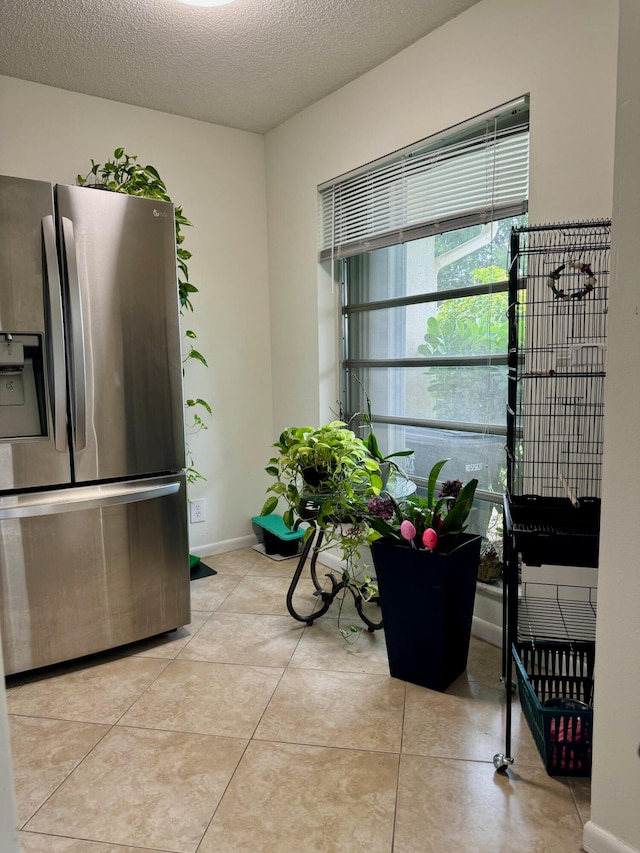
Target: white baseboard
224,546
598,840
487,614
487,631
330,560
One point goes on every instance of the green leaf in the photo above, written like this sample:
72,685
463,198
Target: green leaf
456,517
372,446
272,470
198,402
433,477
193,353
118,153
269,505
190,334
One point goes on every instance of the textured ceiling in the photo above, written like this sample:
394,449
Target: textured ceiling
248,65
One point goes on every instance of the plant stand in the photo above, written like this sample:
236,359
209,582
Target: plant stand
308,511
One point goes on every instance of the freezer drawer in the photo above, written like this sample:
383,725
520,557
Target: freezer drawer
85,570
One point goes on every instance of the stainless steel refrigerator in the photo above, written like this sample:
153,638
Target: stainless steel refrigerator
93,528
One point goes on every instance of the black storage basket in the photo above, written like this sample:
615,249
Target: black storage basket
274,544
553,531
555,683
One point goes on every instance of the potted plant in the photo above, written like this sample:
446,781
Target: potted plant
325,475
426,567
327,465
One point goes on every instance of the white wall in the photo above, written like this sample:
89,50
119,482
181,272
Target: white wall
218,176
615,812
563,54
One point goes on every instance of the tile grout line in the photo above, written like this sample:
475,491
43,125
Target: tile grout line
243,755
62,781
400,754
249,740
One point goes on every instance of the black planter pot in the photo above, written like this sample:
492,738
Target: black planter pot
316,478
427,608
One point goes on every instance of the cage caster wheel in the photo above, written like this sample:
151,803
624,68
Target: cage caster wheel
501,762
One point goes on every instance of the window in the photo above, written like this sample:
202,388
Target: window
423,262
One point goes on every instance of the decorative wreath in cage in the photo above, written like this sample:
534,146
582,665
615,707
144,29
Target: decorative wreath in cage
554,277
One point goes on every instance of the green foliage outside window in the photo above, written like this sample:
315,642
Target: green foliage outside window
476,325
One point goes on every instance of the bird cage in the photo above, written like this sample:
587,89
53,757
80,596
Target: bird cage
559,281
558,295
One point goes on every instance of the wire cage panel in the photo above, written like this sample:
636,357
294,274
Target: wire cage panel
558,361
560,428
557,612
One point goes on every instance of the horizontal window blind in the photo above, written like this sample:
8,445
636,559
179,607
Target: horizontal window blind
475,173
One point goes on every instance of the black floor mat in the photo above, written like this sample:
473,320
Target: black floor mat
201,571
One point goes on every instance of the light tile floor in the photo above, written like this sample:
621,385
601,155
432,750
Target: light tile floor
249,732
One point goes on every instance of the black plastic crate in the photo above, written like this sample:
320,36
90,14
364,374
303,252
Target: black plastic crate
276,536
555,683
274,544
553,531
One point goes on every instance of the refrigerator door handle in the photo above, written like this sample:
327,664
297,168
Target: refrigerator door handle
90,497
78,370
57,371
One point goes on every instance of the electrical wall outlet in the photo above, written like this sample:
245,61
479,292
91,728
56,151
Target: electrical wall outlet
197,511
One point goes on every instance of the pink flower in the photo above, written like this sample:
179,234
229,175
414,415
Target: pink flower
430,538
407,530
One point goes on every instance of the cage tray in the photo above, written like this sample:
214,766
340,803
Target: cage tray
553,531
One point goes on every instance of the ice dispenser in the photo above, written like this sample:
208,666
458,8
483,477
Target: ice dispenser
22,398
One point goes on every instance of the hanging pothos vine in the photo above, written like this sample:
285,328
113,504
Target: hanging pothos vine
123,174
